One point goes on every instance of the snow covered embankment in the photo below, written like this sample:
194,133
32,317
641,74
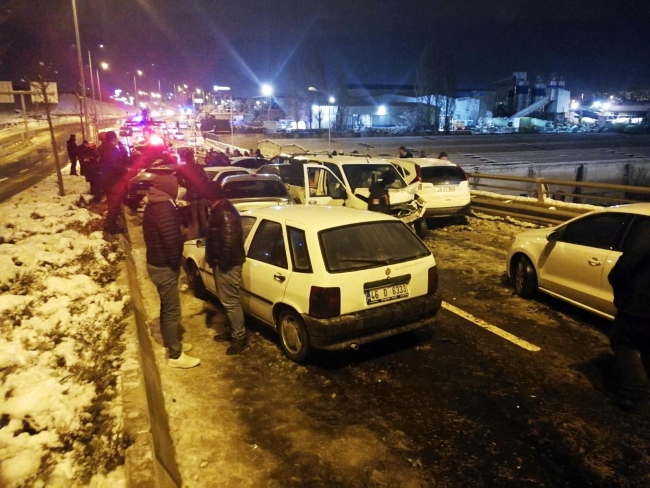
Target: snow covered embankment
61,321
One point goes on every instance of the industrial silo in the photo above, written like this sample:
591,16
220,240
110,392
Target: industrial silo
539,90
522,95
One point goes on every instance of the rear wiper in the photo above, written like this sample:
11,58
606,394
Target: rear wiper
369,261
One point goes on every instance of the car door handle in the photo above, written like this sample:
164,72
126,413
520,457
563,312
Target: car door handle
279,277
594,262
312,202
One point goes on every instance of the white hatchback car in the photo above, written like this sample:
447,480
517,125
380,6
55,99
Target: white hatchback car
328,277
572,261
443,185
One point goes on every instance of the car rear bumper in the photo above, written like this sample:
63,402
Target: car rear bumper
371,325
447,211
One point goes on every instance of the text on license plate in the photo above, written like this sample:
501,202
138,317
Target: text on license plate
141,192
377,295
446,188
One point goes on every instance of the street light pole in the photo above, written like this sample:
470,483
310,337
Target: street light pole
101,102
92,87
330,101
83,108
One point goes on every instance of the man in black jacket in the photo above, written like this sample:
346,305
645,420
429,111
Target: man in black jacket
162,235
71,146
193,178
224,252
630,335
379,199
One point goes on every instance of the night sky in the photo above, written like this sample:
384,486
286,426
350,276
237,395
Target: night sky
292,44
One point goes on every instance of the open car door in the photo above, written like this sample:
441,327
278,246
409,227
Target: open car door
322,186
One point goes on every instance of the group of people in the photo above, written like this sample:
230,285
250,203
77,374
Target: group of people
405,153
224,246
105,167
222,158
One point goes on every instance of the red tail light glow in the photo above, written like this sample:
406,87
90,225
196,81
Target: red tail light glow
433,280
324,303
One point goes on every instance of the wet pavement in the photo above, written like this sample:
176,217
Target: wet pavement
454,405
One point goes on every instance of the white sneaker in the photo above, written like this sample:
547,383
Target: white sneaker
187,347
184,361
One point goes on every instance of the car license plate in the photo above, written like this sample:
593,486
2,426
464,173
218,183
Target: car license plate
141,192
447,188
377,295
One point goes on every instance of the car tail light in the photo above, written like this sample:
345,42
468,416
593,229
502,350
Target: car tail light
418,173
433,280
324,303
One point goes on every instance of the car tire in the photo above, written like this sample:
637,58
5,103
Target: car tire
420,228
294,338
524,278
195,281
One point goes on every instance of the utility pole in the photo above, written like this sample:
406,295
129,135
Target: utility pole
84,109
92,87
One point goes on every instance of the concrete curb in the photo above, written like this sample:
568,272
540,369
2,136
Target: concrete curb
150,461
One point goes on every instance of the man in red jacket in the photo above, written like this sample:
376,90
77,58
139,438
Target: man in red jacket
162,234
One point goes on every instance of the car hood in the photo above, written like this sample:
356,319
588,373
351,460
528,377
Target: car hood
243,204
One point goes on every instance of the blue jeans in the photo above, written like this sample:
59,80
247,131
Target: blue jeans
166,281
227,284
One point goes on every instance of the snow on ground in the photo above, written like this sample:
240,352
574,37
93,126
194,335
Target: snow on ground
61,317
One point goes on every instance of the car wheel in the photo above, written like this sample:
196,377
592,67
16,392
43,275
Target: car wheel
525,278
195,281
294,338
420,228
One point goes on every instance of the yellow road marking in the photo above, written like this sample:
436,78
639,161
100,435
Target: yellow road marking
495,330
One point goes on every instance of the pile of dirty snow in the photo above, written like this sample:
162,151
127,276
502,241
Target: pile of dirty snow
61,318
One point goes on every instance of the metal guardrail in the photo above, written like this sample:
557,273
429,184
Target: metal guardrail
540,188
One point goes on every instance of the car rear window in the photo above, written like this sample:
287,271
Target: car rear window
442,174
369,245
254,189
364,175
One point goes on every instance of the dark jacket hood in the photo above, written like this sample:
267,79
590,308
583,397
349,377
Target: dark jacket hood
163,189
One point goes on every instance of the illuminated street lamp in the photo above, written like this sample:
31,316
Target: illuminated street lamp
267,91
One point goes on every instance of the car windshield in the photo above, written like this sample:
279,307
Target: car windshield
442,174
364,175
254,189
369,245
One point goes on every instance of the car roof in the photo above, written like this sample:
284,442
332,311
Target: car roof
636,208
423,162
320,217
341,160
253,176
221,169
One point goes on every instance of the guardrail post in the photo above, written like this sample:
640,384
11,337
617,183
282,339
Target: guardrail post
542,190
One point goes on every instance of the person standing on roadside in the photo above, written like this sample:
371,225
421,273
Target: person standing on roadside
224,252
193,178
404,153
630,334
114,170
379,199
161,226
73,153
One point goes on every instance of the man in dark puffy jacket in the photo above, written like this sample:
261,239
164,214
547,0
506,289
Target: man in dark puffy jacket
630,335
162,235
224,252
379,199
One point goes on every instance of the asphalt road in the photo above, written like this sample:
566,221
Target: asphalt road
454,405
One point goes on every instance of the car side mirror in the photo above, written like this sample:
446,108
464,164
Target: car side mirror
554,236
